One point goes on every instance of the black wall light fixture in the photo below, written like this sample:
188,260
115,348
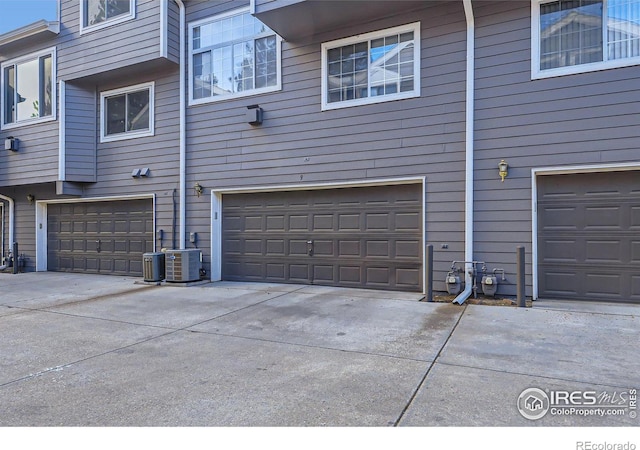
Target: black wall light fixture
11,143
254,115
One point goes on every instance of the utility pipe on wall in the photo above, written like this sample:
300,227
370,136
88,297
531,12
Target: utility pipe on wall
469,142
183,129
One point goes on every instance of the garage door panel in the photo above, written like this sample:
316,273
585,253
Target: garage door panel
298,247
99,237
589,250
253,247
275,223
323,273
407,277
605,252
407,249
323,248
298,223
378,276
407,221
275,247
558,218
635,252
322,222
349,274
603,285
602,218
350,229
298,273
349,248
634,217
276,271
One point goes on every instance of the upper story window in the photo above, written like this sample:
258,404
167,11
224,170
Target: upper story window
127,113
98,14
573,36
371,68
233,54
29,89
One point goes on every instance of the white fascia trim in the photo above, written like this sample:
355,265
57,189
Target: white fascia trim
319,186
326,46
128,134
11,219
108,22
38,27
62,136
54,94
216,210
561,170
164,26
41,220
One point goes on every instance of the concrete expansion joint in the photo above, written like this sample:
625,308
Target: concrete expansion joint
431,365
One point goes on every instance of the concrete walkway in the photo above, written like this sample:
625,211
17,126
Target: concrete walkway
83,350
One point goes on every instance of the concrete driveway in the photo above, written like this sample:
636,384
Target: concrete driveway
83,350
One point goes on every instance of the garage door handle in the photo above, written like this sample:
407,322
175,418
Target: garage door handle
98,245
310,248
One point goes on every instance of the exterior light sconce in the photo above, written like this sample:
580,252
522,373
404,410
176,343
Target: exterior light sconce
31,198
11,143
198,188
503,169
254,115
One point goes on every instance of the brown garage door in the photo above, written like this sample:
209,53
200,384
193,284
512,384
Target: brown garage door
589,236
368,237
99,237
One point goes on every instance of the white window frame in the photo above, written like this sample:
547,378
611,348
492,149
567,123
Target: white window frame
108,22
128,134
326,46
54,89
537,73
218,98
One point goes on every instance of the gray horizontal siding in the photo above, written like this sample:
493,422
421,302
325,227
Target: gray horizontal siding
160,153
298,143
80,134
37,159
571,120
109,48
173,32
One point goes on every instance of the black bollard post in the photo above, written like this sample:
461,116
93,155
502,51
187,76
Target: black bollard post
15,257
521,280
429,272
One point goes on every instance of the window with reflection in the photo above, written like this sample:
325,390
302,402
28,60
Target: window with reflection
600,33
233,54
370,68
28,88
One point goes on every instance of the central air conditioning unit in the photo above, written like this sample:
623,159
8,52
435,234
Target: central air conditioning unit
182,266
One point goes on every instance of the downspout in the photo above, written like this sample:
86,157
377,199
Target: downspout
11,220
468,201
183,129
